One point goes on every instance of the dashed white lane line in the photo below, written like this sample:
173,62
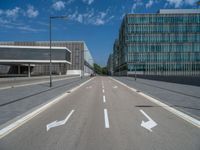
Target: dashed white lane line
104,99
106,119
103,90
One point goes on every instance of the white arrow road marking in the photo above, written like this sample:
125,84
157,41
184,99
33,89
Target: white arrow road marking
115,87
59,123
149,124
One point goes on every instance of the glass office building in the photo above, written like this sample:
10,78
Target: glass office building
165,43
110,64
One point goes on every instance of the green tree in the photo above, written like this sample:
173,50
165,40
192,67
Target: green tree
100,70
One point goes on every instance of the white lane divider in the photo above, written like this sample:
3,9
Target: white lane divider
104,99
149,124
103,90
106,119
59,123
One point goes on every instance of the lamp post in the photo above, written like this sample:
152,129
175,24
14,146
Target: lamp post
50,58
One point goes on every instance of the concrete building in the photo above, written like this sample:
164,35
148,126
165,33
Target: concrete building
166,43
79,62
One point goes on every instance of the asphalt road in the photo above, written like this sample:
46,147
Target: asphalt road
103,115
18,100
185,98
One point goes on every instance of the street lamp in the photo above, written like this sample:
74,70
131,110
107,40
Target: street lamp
50,64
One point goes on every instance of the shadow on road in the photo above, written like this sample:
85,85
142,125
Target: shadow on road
49,89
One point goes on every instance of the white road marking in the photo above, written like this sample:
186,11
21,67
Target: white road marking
104,99
165,106
106,118
115,87
103,90
149,124
59,123
8,128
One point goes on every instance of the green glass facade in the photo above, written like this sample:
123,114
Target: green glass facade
158,44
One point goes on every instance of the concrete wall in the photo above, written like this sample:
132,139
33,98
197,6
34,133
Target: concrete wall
175,79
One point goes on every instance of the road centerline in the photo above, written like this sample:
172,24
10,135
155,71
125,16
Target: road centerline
104,99
106,119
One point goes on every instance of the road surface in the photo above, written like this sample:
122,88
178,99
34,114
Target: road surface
185,98
104,115
18,100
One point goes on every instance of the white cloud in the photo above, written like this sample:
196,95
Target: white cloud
59,5
190,2
70,1
91,17
1,12
176,3
179,3
31,12
27,28
13,13
80,18
89,2
149,4
136,4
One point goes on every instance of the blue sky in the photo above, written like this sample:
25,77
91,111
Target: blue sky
96,22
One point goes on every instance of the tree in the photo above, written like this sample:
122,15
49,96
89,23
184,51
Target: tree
100,70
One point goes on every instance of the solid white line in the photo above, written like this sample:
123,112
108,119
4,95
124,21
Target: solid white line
104,99
106,118
103,90
165,106
14,125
